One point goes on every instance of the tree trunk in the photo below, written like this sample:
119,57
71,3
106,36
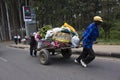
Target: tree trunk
9,29
4,22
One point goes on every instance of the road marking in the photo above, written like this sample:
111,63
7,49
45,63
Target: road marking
3,59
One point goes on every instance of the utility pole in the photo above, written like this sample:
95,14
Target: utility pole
27,16
26,27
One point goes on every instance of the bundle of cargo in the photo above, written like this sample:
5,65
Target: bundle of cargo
51,32
70,28
61,37
75,38
57,41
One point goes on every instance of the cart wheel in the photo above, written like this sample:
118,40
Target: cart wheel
66,53
44,56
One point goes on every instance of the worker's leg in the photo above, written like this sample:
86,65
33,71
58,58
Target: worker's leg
90,57
83,55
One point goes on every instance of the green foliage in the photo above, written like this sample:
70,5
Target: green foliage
115,35
116,25
44,29
101,33
107,27
110,33
56,12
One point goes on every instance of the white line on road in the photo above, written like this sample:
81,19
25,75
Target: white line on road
3,59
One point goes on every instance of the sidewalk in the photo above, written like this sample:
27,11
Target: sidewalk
100,50
21,46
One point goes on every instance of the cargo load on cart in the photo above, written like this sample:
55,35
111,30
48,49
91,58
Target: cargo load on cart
59,39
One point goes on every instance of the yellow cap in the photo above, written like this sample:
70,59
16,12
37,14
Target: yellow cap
97,18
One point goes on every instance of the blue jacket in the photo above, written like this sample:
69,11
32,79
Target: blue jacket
90,35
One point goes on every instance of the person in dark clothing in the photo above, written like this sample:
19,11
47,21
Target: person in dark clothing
89,37
33,46
16,39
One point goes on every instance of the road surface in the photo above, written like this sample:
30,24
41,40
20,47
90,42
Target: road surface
17,64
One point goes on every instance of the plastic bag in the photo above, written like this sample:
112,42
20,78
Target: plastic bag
50,33
75,41
57,29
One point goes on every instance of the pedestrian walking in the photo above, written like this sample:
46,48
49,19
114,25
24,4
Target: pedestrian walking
33,46
38,39
15,39
19,38
89,37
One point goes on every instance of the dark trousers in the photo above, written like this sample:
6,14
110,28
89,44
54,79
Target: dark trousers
15,40
87,55
19,40
33,50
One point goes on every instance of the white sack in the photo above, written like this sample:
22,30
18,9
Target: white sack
75,41
51,32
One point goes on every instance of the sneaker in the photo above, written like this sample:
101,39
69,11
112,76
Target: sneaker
76,61
83,63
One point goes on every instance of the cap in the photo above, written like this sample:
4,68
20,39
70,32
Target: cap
97,18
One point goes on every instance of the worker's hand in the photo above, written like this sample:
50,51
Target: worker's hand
95,42
77,47
80,45
81,39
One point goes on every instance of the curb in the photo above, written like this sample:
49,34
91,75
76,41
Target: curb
115,55
18,47
102,54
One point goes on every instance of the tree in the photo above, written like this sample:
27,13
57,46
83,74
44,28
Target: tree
78,13
11,20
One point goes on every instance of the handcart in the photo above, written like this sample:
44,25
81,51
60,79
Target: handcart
47,50
60,43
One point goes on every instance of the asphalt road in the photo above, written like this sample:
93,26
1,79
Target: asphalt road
16,64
